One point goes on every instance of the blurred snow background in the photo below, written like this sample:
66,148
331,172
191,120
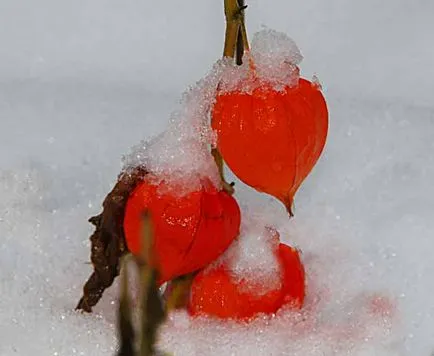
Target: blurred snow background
83,81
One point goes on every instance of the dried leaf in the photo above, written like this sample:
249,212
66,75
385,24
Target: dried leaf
108,240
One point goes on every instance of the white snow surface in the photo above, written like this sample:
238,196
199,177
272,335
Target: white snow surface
81,82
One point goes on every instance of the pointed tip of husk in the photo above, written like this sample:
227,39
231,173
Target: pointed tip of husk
288,201
290,211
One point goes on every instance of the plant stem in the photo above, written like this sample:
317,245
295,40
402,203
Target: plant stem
125,325
243,31
242,41
153,313
236,35
232,28
235,44
227,187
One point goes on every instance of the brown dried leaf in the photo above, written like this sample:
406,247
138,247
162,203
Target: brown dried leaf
108,240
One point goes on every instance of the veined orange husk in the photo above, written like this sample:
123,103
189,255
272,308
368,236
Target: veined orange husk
190,231
216,293
272,139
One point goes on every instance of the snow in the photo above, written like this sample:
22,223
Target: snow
181,155
80,83
275,56
252,257
272,61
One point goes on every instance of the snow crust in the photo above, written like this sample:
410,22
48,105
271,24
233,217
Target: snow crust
252,257
181,155
272,61
275,56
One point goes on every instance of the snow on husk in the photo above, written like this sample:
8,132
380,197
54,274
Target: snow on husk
272,61
76,91
252,257
276,57
181,155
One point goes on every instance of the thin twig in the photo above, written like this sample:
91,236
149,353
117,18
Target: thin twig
125,325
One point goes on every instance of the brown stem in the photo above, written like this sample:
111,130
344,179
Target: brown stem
236,34
235,43
240,43
227,187
242,40
125,324
243,32
232,29
232,11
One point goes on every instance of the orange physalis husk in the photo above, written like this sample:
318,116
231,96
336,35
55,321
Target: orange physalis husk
216,293
189,231
272,139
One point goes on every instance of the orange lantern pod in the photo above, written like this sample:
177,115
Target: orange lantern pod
189,231
272,139
215,293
